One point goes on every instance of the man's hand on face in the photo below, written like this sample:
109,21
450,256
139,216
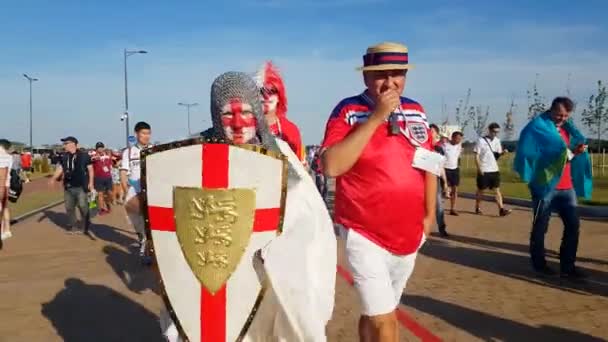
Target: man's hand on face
580,149
386,104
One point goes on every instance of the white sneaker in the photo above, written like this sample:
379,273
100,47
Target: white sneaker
6,235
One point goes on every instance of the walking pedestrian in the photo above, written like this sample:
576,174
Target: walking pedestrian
26,165
102,166
487,152
130,175
6,161
441,183
453,149
77,173
383,204
552,158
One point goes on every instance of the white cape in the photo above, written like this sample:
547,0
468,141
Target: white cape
300,267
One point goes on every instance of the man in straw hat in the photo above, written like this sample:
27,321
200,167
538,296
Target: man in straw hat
374,145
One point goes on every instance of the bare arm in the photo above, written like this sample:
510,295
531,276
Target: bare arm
430,201
123,180
341,157
477,163
58,172
91,176
4,172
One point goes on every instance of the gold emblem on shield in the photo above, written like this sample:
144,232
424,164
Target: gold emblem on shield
213,228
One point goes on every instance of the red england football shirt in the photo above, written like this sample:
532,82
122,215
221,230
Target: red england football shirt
382,196
565,183
102,166
289,132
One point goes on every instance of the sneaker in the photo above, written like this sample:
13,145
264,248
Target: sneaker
545,271
575,274
146,260
454,213
478,211
504,212
6,235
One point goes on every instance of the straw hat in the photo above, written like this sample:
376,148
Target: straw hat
386,56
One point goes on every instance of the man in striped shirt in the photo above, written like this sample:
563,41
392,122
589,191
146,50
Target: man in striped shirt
383,204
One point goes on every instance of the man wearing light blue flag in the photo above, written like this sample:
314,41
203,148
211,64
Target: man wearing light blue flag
552,158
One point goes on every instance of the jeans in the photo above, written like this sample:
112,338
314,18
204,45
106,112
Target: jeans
439,208
564,203
76,197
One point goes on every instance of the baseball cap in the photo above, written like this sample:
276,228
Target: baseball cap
99,145
70,139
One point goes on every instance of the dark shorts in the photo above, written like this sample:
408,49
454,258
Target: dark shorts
453,177
103,184
488,180
27,169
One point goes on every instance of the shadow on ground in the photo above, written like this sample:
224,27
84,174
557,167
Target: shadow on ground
511,265
86,312
516,247
100,231
129,269
488,327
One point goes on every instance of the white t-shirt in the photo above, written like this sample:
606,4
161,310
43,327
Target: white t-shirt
452,154
487,162
6,160
130,163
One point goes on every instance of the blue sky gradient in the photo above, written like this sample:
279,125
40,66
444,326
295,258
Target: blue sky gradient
75,48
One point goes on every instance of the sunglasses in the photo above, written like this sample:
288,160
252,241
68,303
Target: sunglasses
269,91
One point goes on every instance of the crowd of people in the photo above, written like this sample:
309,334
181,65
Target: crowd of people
392,170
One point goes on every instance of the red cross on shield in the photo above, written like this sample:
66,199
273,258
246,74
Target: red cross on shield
211,168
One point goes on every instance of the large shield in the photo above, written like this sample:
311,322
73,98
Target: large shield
209,207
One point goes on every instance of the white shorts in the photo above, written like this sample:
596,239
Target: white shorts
379,276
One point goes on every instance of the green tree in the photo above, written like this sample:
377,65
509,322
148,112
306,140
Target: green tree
509,124
595,116
462,112
479,117
536,102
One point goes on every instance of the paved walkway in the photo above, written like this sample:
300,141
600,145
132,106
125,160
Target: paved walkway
474,286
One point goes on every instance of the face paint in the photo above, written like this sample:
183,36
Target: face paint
238,121
270,100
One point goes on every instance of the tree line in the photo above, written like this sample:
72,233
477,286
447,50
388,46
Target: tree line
594,116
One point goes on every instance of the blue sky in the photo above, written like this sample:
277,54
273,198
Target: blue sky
75,48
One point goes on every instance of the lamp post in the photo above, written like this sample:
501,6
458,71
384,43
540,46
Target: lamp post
31,79
128,53
188,105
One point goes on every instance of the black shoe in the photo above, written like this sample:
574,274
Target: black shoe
504,212
478,211
575,274
454,213
444,233
545,271
146,260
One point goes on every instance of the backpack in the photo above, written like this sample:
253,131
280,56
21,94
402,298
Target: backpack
16,187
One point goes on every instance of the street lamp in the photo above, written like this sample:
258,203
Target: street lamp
31,79
128,53
188,105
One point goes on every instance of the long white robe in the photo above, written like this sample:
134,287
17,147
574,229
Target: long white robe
299,265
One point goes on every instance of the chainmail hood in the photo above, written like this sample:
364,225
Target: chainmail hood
239,85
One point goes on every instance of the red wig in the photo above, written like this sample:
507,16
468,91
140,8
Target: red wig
268,77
